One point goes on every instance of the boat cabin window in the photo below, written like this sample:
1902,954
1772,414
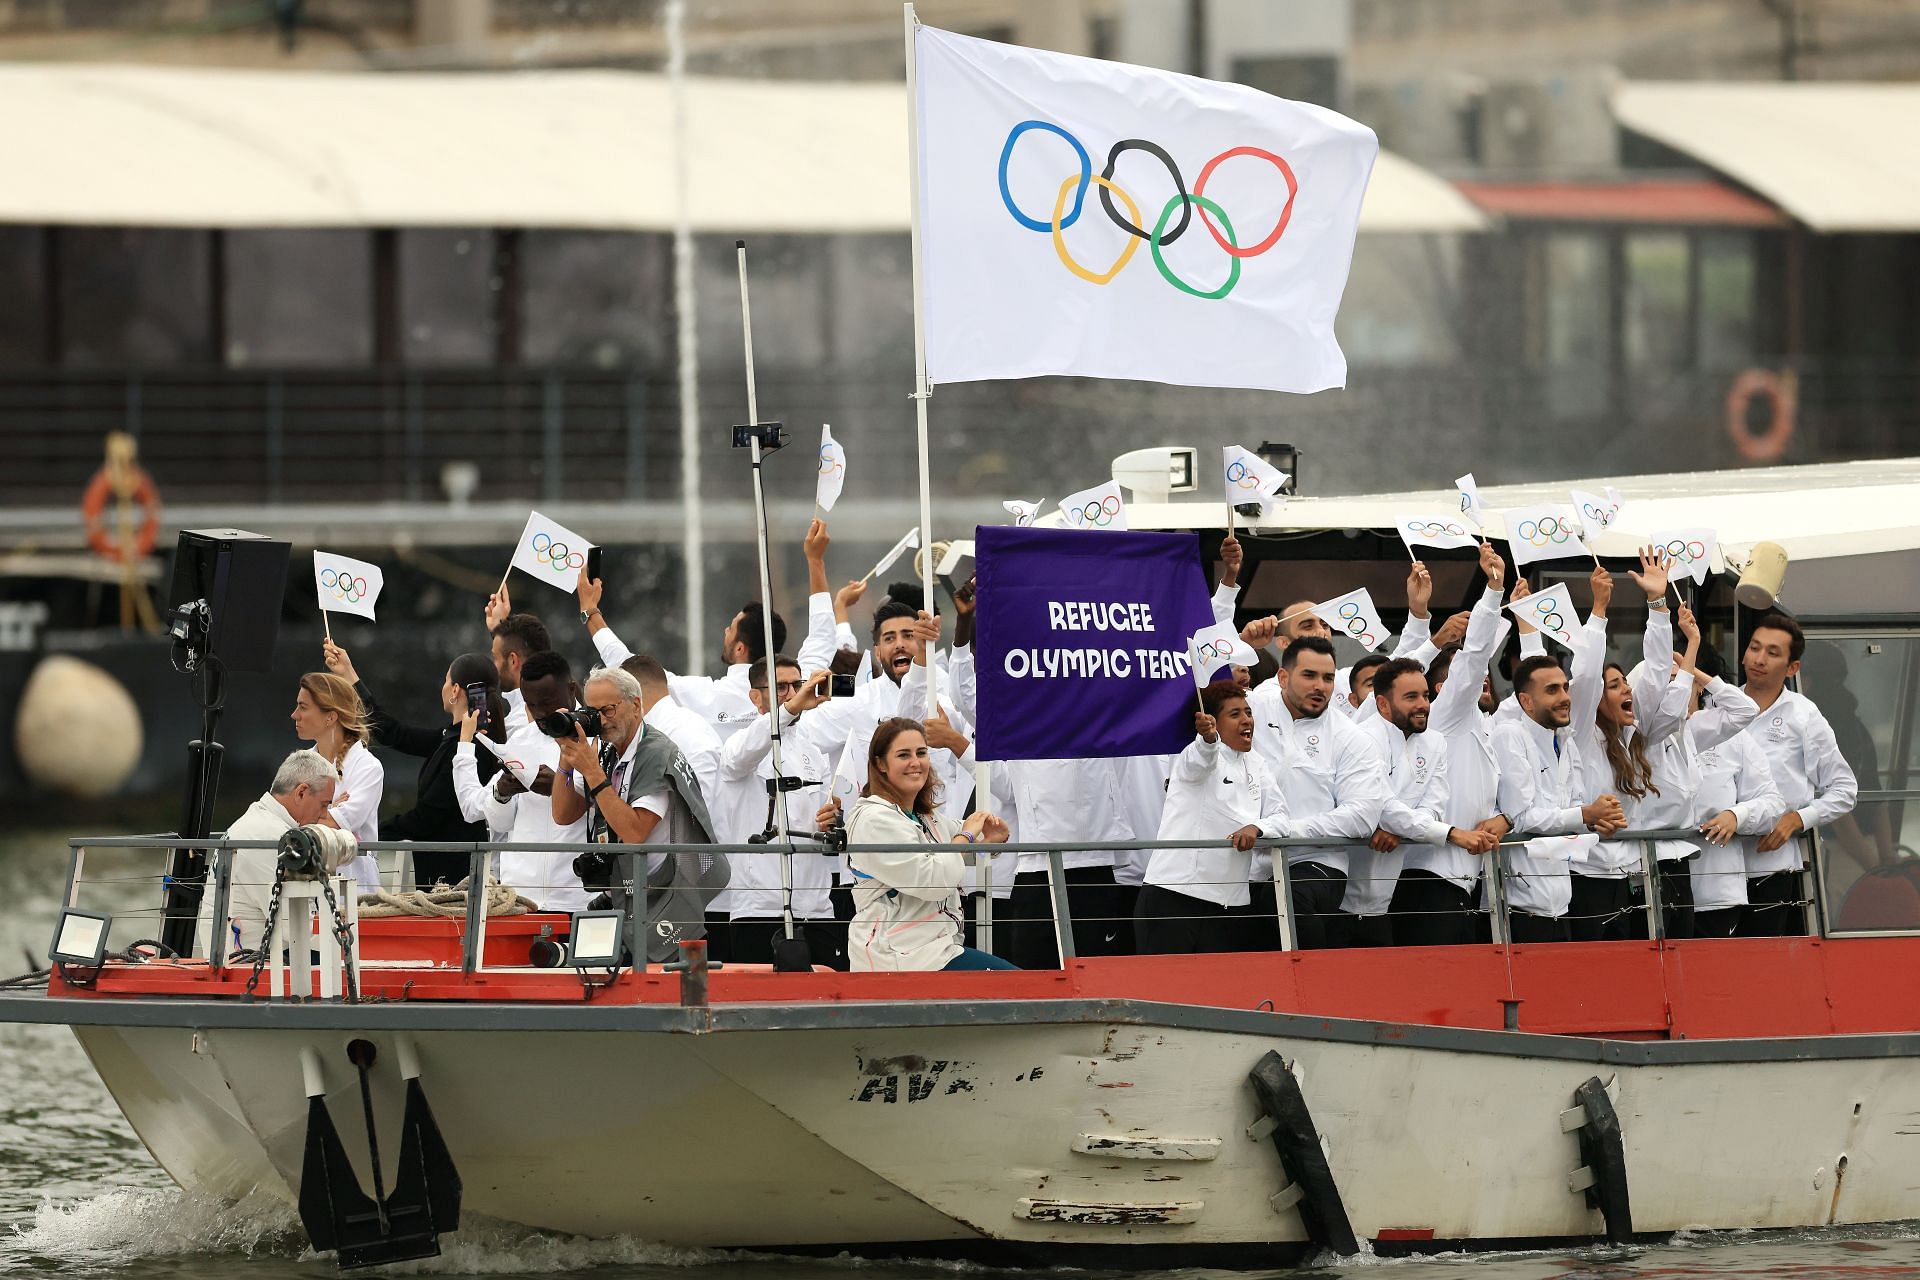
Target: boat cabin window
1868,686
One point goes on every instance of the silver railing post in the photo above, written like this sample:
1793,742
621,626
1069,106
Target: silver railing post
1650,885
76,863
222,902
1494,873
473,945
1283,899
1062,914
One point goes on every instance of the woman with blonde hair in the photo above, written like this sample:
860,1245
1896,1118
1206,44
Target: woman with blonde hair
328,713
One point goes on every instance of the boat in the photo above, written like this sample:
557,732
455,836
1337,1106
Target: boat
1246,1110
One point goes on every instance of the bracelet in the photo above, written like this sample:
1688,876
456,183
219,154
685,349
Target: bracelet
967,836
1658,606
598,787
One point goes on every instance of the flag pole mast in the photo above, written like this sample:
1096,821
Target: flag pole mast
921,390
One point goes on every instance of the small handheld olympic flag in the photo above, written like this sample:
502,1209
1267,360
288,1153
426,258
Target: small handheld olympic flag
899,549
346,585
1469,499
1022,512
1545,532
1100,507
1353,616
833,470
513,765
1549,612
1251,478
1211,648
1689,552
550,552
1443,531
1596,513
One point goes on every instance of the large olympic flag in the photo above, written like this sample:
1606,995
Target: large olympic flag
1081,647
1109,221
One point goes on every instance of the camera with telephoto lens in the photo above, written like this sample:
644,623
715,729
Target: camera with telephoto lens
559,724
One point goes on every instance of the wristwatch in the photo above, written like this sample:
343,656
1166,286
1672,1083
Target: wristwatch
586,614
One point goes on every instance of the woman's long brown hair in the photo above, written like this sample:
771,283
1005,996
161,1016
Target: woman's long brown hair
331,693
883,735
1632,771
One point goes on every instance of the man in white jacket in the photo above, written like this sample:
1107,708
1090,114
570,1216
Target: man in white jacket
1334,786
302,790
1814,778
1414,815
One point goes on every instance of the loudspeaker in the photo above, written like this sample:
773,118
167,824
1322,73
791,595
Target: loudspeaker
242,577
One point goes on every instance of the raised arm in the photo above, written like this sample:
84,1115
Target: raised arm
1654,712
1459,697
816,651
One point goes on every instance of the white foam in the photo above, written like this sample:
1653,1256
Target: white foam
156,1223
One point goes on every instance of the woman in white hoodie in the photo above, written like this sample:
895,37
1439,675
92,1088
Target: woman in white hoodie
907,905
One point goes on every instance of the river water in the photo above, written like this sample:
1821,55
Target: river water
79,1196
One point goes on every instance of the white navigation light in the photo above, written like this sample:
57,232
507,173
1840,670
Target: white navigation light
594,941
80,938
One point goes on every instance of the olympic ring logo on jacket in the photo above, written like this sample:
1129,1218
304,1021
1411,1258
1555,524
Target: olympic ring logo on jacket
1074,189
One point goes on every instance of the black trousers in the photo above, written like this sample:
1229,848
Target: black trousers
1716,924
719,936
751,941
1676,897
1522,927
1773,907
1603,909
1102,918
1167,922
1430,910
1318,922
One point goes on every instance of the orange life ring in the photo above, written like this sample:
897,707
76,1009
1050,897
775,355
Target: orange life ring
100,492
1771,444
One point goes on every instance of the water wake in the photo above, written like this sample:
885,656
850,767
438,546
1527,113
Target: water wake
127,1225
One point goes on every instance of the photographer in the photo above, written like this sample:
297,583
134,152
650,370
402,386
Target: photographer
509,807
635,787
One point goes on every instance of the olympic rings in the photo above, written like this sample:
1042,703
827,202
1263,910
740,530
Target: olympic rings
1215,649
1356,626
1433,528
1686,552
1102,513
1547,529
1166,272
1060,241
1602,514
1241,476
344,586
556,554
1086,174
828,463
1553,621
1218,225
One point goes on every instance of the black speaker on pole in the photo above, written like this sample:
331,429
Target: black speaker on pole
242,579
223,616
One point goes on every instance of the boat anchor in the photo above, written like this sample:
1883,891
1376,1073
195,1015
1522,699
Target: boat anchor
1311,1186
367,1231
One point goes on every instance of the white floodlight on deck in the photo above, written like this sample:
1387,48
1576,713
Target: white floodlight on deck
81,938
594,942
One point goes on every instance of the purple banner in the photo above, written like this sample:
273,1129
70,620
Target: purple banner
1081,646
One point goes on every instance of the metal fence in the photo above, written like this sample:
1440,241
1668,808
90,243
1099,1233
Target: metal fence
220,883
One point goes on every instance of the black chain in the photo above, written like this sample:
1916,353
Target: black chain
266,931
342,934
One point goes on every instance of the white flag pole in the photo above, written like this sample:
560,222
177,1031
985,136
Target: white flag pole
921,390
766,603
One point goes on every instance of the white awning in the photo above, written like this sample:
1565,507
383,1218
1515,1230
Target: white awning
1839,157
149,146
1820,512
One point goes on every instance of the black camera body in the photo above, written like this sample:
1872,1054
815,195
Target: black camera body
560,724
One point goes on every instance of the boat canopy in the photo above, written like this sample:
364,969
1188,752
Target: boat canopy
1840,157
158,146
1820,512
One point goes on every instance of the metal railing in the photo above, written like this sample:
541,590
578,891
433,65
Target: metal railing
220,875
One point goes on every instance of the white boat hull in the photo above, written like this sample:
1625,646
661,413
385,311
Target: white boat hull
1049,1123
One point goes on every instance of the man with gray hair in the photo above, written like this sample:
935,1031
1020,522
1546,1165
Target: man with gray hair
302,790
636,787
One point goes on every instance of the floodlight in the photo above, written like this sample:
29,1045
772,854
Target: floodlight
81,938
595,940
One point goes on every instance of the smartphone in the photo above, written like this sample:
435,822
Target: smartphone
477,702
840,686
593,564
